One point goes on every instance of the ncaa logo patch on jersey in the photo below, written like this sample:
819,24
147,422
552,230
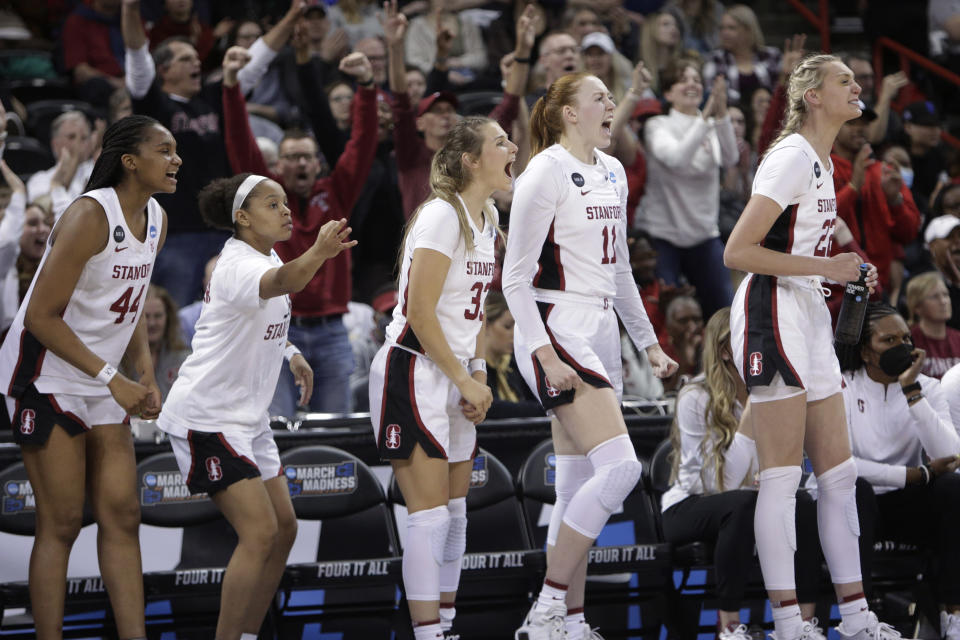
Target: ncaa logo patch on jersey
153,231
28,421
816,169
393,436
577,179
214,471
118,234
613,178
756,363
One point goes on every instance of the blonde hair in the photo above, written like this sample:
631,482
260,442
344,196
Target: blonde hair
720,383
809,74
546,118
448,177
747,19
919,288
649,48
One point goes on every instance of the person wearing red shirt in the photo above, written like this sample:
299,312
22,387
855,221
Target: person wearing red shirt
93,50
436,113
928,302
316,326
871,197
179,19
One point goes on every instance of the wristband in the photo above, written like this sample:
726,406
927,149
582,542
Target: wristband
289,352
907,390
477,364
106,374
925,470
520,60
912,400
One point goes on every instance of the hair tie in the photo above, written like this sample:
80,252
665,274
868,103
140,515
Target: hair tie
243,191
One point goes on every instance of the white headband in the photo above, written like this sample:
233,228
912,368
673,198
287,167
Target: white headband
243,191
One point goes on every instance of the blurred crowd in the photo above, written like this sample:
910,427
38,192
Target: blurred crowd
345,103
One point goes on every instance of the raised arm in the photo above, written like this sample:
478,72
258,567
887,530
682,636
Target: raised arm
265,49
294,275
352,167
242,149
394,29
138,63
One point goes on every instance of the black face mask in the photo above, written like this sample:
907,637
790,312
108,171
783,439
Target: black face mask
896,360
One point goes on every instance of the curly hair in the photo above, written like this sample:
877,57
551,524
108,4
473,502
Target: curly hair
216,201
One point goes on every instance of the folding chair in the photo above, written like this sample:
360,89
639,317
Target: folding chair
354,581
27,155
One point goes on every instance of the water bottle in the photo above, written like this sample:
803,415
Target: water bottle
852,310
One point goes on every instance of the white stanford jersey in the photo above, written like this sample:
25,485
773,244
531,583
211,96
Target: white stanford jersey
568,232
460,307
792,175
103,310
227,383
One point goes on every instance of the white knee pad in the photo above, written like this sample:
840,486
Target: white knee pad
454,546
837,521
616,471
570,474
775,526
423,553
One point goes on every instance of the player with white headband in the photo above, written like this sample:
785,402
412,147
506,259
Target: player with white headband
216,411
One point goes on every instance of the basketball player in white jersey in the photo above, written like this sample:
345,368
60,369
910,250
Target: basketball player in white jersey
783,345
68,405
566,270
216,411
428,381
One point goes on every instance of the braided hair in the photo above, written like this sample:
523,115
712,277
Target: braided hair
122,137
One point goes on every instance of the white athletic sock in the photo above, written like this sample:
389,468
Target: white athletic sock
854,615
550,595
447,613
429,630
788,622
575,622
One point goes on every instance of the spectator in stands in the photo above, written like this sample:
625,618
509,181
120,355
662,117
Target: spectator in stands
598,58
559,54
702,24
167,348
581,20
436,113
942,237
71,143
683,338
191,313
93,50
467,55
680,208
943,17
742,57
219,401
929,306
923,126
316,324
168,87
661,42
736,182
755,110
511,396
120,106
890,429
887,122
12,227
38,221
713,494
872,199
180,19
376,51
340,97
416,84
360,19
366,324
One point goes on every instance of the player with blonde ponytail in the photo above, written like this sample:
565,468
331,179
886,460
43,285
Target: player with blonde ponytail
428,382
782,343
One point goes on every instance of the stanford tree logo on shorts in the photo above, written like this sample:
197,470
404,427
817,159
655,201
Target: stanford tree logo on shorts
756,363
214,472
27,421
393,436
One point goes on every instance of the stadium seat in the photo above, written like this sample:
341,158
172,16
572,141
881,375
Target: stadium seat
26,156
629,545
357,569
478,103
